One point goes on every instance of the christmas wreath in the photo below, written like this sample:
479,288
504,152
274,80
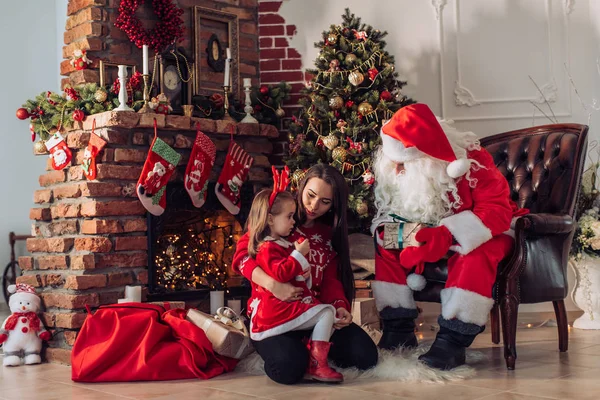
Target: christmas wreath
168,29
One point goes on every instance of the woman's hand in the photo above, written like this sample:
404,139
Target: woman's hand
285,291
344,318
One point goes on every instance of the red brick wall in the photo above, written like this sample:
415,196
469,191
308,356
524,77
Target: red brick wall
279,62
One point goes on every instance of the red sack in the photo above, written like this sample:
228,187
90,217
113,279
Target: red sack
141,342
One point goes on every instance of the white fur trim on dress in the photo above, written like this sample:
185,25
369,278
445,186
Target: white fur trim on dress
388,294
289,325
466,306
301,259
395,150
468,230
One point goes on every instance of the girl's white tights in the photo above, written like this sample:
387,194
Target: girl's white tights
322,322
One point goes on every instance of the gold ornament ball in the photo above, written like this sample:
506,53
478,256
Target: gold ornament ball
280,113
364,108
297,176
336,102
339,154
330,141
100,96
350,58
39,147
362,208
356,78
332,38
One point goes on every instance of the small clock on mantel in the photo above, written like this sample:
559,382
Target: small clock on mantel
175,78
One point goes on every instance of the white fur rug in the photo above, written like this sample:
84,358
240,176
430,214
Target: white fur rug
398,365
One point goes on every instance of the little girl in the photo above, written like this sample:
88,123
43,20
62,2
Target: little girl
271,219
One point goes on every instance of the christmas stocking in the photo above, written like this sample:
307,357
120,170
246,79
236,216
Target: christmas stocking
95,144
198,168
59,152
234,173
158,168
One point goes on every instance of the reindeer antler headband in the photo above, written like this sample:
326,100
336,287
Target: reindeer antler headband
280,182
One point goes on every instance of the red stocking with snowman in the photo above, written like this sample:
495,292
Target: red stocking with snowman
22,332
198,168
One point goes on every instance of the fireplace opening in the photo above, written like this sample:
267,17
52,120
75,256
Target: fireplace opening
190,249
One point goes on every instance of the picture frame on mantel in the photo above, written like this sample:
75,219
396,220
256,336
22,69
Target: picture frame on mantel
109,72
210,27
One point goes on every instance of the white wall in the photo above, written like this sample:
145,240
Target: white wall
490,47
30,66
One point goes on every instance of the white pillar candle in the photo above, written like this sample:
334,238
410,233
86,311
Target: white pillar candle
145,59
247,82
235,305
217,300
227,61
134,293
125,300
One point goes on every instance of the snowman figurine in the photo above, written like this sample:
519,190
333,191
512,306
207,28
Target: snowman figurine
22,332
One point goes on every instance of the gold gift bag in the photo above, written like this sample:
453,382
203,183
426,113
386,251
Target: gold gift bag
225,331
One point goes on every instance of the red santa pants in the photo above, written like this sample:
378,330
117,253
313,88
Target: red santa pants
468,292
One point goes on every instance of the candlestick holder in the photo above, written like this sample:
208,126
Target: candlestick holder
227,116
146,107
123,90
248,119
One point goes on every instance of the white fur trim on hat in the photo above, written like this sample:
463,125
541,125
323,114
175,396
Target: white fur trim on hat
416,282
466,306
458,168
388,294
468,230
395,150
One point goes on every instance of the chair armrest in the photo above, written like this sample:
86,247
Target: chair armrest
545,224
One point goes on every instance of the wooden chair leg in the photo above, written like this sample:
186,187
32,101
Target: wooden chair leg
509,308
495,324
563,327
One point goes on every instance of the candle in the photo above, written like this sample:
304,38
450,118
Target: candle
227,61
134,293
247,82
145,59
217,300
235,305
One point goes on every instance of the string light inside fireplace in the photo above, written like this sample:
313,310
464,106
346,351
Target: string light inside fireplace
193,259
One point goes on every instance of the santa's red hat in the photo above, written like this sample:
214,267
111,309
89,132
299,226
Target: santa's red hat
414,132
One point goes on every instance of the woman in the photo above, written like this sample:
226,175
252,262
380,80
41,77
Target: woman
321,218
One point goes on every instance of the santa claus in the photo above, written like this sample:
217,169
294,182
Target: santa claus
428,172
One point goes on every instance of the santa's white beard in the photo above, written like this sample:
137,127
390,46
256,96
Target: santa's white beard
423,192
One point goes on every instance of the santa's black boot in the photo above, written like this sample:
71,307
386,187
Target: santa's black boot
398,328
448,350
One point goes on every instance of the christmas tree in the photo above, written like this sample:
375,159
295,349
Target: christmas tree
353,90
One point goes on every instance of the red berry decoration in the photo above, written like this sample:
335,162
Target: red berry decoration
385,96
22,113
349,104
264,90
167,30
78,115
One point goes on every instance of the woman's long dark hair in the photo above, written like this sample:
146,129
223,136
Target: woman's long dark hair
336,217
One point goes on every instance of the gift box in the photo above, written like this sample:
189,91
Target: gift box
392,231
364,312
225,331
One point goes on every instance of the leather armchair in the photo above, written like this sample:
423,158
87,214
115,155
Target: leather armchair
543,166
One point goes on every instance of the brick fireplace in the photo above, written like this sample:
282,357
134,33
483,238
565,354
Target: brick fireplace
91,237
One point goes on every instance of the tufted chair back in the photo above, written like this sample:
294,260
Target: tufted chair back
543,166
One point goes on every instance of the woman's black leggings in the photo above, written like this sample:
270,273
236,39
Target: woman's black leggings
286,356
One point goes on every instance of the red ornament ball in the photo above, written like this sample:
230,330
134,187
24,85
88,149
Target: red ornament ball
264,90
78,115
385,96
22,113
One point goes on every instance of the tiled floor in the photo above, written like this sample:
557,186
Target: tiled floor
542,373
